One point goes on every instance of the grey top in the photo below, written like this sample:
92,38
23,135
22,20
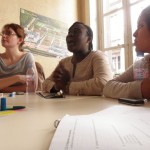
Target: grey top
19,67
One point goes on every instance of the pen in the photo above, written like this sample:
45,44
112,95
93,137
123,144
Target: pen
16,108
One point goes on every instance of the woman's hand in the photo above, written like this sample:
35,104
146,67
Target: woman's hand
21,78
10,84
61,77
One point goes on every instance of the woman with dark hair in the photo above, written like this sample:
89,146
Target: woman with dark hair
84,73
125,85
14,62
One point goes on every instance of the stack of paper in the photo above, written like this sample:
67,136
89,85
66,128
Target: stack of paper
116,128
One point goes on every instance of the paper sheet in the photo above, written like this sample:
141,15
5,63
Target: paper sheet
116,128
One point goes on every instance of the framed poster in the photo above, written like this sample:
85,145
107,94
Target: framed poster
44,36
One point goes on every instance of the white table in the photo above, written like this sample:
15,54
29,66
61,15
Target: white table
33,127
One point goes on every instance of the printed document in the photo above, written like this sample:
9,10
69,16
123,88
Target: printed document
116,128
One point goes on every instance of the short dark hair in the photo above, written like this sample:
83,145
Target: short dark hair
89,33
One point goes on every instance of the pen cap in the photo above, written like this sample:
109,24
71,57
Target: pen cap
3,103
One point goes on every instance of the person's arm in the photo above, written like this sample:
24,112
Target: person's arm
47,85
145,88
94,86
58,79
9,81
123,86
16,88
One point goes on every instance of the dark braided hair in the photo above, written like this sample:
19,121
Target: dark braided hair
89,33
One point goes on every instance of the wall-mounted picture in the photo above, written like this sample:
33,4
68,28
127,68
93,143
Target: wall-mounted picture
44,36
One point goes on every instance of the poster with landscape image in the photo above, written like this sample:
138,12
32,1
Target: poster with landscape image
44,36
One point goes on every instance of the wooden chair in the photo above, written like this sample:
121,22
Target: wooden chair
41,75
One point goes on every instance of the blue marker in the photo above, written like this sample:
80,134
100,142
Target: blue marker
3,103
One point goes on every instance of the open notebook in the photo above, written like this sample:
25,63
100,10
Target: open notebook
116,128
